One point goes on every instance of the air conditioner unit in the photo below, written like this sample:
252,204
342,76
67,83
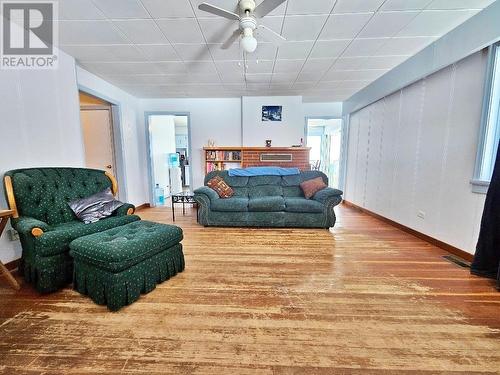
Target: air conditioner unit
276,157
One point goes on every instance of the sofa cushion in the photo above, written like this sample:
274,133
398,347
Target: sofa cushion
303,205
57,238
240,192
230,205
264,180
266,204
293,191
120,248
311,187
265,191
220,187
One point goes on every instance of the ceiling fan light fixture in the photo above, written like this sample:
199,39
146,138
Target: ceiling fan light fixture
248,42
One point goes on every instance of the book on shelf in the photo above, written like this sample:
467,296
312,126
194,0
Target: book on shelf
223,155
221,166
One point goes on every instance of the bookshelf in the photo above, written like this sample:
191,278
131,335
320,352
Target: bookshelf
222,158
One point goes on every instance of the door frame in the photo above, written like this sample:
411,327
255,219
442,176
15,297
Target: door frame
343,143
117,138
147,114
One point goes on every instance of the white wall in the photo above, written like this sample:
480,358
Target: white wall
287,132
218,119
133,136
39,126
333,109
415,151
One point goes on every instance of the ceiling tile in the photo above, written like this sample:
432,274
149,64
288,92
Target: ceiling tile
230,5
229,67
122,8
460,4
169,8
344,26
342,84
404,46
353,75
232,53
258,78
201,67
387,24
217,30
294,50
357,6
260,66
284,77
436,22
79,10
317,65
141,31
309,7
373,62
329,48
181,30
310,76
172,67
158,52
89,32
288,66
201,78
364,47
122,67
193,52
297,28
405,4
108,53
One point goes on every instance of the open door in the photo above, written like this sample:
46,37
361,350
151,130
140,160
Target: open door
97,128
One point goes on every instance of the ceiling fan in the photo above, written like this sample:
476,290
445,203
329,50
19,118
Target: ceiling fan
248,22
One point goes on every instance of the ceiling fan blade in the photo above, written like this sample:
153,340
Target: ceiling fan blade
229,42
218,11
266,7
270,35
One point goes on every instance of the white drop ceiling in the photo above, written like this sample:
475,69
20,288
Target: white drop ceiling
169,48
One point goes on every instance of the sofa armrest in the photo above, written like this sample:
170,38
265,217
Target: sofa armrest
325,194
28,225
205,190
126,209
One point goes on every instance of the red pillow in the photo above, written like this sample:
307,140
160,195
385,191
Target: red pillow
221,187
311,187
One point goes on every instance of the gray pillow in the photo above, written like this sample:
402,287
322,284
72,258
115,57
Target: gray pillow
95,207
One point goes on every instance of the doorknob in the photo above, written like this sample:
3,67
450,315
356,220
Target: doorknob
109,166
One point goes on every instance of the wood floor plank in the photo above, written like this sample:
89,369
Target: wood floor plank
362,298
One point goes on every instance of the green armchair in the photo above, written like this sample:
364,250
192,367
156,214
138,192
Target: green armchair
46,224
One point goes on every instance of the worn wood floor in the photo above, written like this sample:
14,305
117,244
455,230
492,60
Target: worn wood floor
364,298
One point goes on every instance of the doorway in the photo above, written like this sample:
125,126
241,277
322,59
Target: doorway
324,136
97,118
169,155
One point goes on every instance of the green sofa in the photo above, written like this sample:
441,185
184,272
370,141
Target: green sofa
267,201
46,224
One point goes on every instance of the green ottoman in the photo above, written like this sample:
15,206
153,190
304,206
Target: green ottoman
115,266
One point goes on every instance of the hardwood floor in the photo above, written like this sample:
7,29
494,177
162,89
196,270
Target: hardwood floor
364,298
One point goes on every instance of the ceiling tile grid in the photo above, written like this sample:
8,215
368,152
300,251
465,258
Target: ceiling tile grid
170,48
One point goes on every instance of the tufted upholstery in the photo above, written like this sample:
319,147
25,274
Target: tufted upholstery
115,266
42,196
268,201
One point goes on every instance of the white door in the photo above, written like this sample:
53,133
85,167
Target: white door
98,139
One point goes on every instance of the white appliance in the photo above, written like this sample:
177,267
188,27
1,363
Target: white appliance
175,180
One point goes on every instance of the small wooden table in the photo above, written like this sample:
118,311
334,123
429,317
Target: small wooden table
4,218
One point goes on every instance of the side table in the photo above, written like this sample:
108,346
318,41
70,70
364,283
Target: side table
183,198
4,218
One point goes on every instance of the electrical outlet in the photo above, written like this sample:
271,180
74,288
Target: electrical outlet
14,236
421,214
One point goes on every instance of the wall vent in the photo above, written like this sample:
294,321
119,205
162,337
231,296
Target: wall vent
276,157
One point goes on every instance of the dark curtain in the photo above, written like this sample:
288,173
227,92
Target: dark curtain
487,257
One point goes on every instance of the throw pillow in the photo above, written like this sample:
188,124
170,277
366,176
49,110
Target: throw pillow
95,207
311,187
221,187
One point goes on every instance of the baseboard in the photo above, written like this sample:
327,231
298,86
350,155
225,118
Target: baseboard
11,266
433,241
142,206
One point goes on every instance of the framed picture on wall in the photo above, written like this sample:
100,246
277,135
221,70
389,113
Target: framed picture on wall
271,112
